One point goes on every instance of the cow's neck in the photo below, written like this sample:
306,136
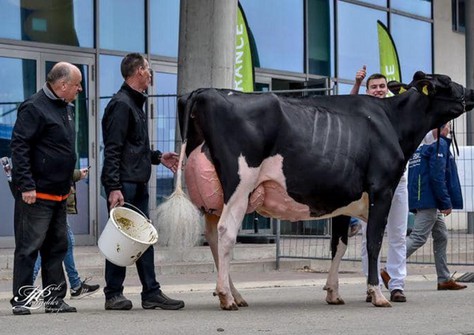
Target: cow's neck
408,114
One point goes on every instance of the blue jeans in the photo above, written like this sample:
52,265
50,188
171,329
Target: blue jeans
72,274
137,195
39,227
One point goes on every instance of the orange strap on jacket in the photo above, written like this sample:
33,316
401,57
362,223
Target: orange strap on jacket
52,197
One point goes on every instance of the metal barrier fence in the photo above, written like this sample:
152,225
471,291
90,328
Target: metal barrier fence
314,242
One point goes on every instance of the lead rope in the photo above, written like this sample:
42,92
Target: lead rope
454,142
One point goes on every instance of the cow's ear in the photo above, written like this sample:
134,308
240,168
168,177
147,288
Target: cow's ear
396,87
419,75
425,86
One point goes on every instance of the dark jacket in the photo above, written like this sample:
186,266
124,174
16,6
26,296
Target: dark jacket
433,180
127,153
43,145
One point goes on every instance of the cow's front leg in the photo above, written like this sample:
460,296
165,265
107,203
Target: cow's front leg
227,229
228,226
340,225
378,213
211,237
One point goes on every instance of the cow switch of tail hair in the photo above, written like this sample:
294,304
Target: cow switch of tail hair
306,158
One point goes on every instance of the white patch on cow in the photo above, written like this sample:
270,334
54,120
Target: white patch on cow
349,149
278,204
377,297
328,131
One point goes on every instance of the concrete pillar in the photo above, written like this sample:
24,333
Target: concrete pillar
469,21
206,53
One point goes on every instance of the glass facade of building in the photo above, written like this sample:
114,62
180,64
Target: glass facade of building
300,43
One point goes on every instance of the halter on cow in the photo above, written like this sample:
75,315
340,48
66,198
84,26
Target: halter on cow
304,159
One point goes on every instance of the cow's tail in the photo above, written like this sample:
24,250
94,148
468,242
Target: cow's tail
190,101
179,221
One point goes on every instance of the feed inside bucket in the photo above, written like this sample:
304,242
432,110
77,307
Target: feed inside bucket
126,236
134,225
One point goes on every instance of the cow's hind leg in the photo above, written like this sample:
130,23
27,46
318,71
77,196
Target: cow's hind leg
211,237
340,225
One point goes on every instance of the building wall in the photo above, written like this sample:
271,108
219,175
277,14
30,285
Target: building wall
449,46
449,50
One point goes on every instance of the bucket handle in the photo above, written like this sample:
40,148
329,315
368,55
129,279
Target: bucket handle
135,207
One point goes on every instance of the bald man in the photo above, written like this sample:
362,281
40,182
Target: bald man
44,157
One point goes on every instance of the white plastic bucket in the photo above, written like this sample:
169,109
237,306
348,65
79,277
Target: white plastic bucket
126,236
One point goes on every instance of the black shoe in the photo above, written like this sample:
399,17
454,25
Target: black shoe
118,303
84,290
20,310
160,300
397,296
59,306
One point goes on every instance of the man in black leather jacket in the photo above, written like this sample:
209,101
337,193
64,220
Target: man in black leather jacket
125,175
43,156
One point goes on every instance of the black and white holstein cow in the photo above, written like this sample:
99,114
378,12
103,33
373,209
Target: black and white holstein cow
306,158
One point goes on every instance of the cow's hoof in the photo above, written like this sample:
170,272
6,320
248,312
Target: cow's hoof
379,303
338,301
242,303
231,307
227,302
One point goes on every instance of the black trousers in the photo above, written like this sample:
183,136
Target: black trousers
39,227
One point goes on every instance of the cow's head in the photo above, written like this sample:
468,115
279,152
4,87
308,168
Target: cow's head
448,99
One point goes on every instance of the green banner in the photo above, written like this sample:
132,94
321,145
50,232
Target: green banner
389,63
244,71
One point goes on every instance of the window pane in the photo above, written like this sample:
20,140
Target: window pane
110,79
319,37
418,7
17,82
358,39
59,22
164,31
122,25
406,33
278,31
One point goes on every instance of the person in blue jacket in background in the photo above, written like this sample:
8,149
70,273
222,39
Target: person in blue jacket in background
433,191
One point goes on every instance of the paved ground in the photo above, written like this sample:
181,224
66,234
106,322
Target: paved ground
280,303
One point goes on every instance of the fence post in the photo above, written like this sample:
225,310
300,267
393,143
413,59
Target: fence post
277,242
